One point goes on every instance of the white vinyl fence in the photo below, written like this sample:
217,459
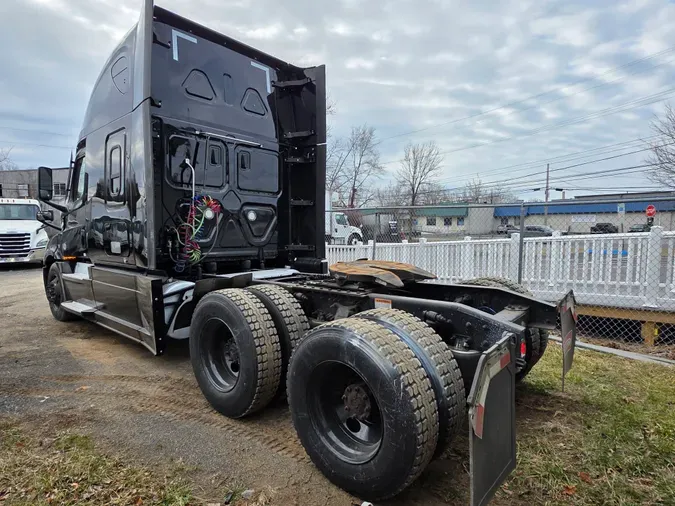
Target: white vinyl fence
630,270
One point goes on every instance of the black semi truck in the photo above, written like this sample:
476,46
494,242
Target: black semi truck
195,210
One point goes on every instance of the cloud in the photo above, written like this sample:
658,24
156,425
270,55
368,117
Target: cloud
360,63
487,80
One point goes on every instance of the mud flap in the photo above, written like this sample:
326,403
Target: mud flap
568,327
492,420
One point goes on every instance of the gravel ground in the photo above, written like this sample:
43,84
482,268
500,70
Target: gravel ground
149,409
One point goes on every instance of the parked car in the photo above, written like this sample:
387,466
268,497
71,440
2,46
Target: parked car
604,228
506,229
535,231
642,227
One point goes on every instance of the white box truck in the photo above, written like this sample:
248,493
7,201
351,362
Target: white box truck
22,238
338,229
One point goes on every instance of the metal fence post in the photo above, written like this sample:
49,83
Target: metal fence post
377,218
514,259
556,259
521,243
469,258
653,267
371,250
421,254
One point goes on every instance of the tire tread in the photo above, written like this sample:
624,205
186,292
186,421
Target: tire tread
294,319
414,381
441,356
266,341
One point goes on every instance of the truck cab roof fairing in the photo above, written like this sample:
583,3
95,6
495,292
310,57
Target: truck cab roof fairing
124,81
186,25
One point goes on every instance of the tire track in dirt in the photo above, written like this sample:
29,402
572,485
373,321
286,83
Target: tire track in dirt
177,398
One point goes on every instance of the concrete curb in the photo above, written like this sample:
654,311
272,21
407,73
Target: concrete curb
621,353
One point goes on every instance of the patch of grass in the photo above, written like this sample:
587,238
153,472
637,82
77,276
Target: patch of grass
67,470
608,439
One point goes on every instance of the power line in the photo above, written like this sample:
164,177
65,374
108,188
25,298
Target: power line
503,106
12,143
614,188
633,104
528,185
29,130
568,158
510,180
594,175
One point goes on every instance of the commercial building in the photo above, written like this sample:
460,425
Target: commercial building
571,216
578,215
23,183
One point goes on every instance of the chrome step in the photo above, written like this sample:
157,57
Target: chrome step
79,308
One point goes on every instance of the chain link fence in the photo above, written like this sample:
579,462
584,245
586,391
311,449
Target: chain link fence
618,261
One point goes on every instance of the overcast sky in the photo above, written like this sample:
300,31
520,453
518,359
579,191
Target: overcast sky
400,66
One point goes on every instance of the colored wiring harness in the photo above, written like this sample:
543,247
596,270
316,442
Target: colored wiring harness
188,234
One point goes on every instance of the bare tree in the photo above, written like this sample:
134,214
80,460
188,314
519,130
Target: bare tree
391,195
663,149
473,191
420,166
361,167
476,192
337,155
331,106
433,193
6,162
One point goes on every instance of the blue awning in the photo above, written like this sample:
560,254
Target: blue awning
584,208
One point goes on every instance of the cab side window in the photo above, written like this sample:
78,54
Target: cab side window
78,181
115,166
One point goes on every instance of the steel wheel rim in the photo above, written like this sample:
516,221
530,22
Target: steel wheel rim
54,290
220,354
351,438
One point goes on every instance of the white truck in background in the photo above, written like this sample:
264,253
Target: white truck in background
338,229
22,238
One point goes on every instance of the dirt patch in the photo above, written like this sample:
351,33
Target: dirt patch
614,423
40,465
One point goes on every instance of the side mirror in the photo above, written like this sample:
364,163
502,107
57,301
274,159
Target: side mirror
45,216
45,184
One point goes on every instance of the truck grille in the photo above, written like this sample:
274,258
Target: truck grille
14,245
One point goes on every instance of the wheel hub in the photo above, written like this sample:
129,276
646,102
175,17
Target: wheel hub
232,356
357,401
53,291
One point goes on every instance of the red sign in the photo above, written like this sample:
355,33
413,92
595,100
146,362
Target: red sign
651,211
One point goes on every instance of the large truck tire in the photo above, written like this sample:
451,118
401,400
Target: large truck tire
354,239
363,407
289,320
439,364
235,352
54,293
536,339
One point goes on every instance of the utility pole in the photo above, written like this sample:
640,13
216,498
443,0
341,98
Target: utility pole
546,192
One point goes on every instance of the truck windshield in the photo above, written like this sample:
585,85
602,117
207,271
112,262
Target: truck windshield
18,212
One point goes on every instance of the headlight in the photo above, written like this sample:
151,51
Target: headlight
42,243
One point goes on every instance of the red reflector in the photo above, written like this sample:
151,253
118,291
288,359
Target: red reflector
504,361
523,349
480,415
